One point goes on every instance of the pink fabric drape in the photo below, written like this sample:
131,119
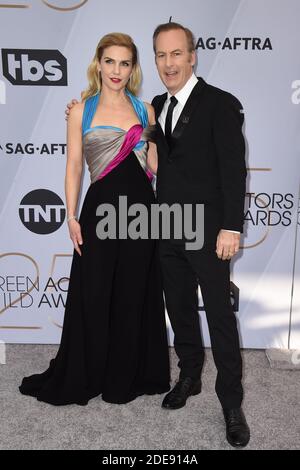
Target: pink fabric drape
132,137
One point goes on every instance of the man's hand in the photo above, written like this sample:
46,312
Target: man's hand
228,244
70,106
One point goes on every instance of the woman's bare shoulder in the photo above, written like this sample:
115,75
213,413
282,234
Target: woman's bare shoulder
77,109
76,114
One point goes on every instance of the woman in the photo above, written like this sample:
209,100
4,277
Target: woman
114,339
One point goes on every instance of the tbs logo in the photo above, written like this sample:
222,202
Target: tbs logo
34,67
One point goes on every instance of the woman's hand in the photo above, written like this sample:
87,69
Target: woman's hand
75,234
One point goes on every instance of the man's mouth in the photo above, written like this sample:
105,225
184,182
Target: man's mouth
171,74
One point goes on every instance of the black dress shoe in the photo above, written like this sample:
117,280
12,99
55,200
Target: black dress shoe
184,388
237,429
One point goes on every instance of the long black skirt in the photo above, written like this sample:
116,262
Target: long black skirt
114,339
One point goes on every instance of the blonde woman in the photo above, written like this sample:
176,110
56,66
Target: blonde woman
114,340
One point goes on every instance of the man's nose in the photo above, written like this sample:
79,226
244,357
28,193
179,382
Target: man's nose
169,60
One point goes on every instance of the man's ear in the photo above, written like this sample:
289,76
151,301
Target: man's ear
193,58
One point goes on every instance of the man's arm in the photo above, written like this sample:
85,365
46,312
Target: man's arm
230,145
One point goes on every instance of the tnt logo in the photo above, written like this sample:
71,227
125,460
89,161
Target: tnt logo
42,211
2,93
34,67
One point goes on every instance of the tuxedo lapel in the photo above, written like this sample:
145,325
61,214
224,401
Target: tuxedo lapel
159,105
184,117
188,110
160,133
161,137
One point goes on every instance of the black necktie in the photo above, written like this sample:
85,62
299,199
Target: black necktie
168,124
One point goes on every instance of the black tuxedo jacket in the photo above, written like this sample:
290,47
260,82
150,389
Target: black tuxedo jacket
205,163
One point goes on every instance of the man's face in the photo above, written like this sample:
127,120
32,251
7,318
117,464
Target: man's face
173,60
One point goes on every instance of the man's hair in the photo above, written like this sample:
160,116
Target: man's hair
171,26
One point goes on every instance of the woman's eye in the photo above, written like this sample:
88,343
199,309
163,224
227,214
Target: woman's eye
126,64
108,61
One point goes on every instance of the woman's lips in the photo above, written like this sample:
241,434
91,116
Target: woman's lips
115,80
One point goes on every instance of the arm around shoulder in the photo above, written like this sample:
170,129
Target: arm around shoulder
74,135
74,164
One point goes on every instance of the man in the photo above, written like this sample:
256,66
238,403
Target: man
201,161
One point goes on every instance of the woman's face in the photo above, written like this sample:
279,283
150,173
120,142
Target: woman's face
115,67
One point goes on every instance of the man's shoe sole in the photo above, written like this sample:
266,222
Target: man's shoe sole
234,444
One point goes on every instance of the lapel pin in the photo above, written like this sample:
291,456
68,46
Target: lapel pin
185,119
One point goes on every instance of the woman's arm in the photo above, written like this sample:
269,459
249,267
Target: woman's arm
74,169
152,151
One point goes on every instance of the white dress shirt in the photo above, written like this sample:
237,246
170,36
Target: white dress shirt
182,97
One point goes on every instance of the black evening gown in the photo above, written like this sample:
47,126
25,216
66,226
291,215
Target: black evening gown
114,339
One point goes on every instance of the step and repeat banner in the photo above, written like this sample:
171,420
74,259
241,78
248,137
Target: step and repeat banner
250,48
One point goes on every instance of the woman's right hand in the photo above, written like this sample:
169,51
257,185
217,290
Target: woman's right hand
70,106
75,234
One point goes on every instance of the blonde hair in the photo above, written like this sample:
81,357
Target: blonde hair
94,76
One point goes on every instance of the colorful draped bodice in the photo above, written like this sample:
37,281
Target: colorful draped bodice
105,147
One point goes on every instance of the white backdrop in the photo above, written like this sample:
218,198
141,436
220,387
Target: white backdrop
249,48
